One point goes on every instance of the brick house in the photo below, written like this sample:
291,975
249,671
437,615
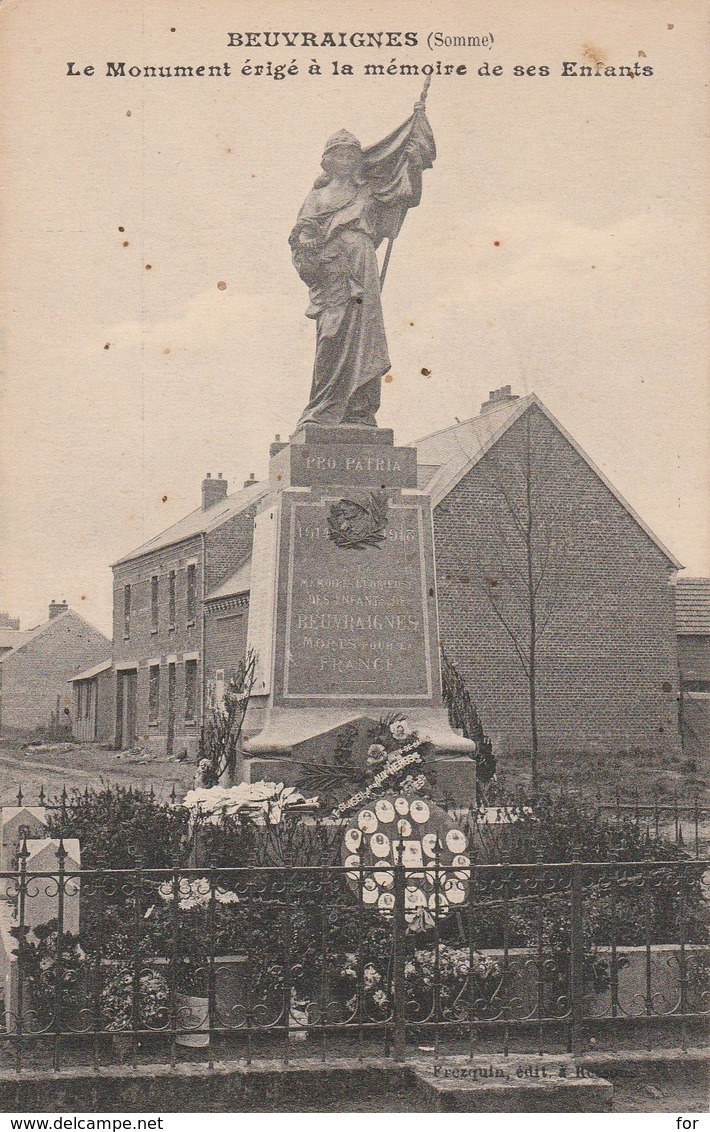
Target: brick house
511,489
226,612
11,638
175,614
692,611
34,675
10,633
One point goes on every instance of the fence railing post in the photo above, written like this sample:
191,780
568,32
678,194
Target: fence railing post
21,949
59,960
576,956
696,823
399,992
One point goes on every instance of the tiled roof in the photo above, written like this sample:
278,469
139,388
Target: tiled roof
692,606
92,671
31,634
458,448
199,521
11,638
68,614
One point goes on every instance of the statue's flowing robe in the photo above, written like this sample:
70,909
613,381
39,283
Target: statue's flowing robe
344,225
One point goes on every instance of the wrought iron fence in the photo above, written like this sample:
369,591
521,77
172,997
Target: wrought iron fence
681,819
166,792
685,820
325,958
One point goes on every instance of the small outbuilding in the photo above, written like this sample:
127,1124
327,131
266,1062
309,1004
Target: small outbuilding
92,714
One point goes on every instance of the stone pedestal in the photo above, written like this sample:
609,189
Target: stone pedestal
16,821
518,1083
343,612
42,902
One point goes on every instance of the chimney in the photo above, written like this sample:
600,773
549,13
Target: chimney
276,445
498,397
250,481
213,491
57,607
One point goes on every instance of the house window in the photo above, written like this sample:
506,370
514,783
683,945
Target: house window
190,689
154,604
171,600
191,593
126,612
154,693
219,689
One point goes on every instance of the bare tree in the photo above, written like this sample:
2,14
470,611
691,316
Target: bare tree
525,567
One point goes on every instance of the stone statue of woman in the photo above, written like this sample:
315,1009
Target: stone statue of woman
361,199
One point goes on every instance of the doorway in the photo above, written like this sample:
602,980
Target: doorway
126,708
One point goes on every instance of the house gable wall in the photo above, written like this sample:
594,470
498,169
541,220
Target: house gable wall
35,677
607,662
228,545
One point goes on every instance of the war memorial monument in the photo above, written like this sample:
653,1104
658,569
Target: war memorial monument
343,611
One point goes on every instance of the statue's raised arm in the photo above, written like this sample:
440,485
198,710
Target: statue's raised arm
360,199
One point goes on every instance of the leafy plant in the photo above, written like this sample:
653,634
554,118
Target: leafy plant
119,828
52,973
221,732
121,1006
463,717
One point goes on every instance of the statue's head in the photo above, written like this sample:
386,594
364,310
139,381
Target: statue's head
343,156
342,140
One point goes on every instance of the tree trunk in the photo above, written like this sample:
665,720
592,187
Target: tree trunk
532,615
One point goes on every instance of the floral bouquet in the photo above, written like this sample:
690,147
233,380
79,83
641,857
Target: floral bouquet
263,803
398,760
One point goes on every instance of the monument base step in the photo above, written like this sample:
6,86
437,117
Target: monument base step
312,433
278,731
281,738
512,1084
455,778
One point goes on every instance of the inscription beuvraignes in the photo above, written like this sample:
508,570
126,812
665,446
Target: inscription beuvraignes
357,622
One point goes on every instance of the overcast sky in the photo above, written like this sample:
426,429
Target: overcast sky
561,247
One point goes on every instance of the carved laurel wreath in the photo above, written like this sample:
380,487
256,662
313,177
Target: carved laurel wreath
365,527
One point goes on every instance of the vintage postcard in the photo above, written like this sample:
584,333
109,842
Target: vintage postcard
355,630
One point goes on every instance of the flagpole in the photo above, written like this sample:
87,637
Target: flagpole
418,107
